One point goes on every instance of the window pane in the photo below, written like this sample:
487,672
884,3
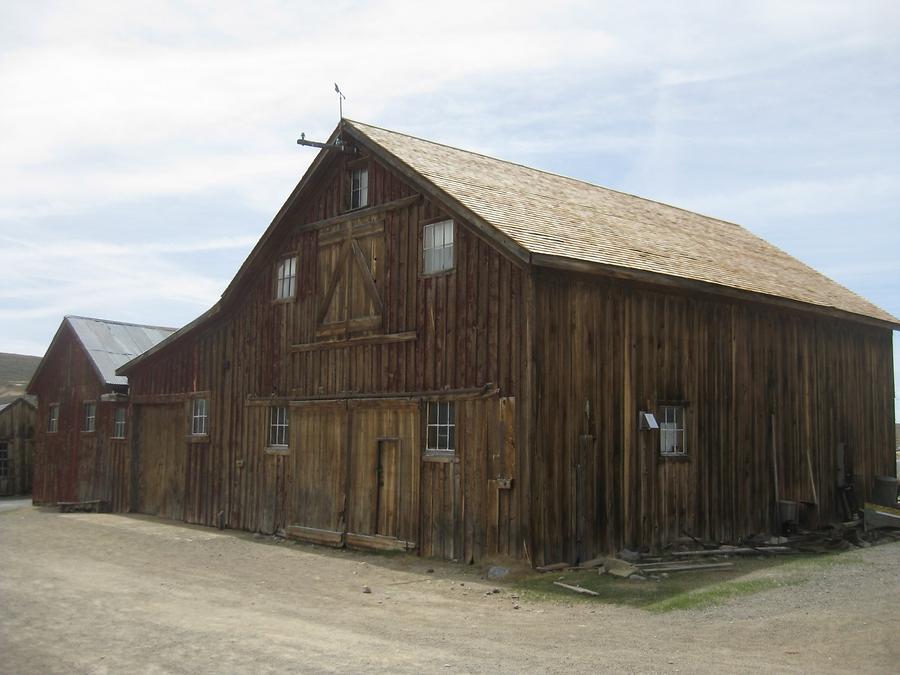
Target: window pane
429,237
432,438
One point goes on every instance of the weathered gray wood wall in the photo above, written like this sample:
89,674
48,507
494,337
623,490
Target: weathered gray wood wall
607,349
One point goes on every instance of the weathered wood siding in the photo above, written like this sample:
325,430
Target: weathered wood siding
17,422
70,464
468,508
365,323
606,350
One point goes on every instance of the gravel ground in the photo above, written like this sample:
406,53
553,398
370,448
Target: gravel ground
100,593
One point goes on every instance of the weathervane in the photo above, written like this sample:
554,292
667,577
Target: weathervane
338,144
341,99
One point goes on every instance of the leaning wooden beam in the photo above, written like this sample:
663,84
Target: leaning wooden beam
812,480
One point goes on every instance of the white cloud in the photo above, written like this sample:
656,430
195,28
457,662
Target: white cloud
774,114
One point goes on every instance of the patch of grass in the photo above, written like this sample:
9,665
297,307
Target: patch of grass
717,594
684,590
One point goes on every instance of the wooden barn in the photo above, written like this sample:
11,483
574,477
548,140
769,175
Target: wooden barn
17,419
82,430
435,350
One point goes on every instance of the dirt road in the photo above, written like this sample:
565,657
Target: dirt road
99,593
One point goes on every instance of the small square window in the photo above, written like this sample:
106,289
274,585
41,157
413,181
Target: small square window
672,430
119,423
437,247
90,416
4,460
53,418
286,278
441,427
278,427
359,188
199,417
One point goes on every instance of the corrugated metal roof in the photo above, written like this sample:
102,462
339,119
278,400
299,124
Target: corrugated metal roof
553,215
112,343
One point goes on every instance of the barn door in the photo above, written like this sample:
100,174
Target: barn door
350,285
319,436
382,508
355,473
387,497
161,465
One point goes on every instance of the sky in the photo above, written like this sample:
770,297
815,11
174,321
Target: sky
145,147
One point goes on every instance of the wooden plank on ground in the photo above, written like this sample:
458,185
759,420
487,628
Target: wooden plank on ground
315,536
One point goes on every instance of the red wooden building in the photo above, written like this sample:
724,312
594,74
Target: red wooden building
434,349
16,446
82,431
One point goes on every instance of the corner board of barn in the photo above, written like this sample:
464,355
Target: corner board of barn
388,370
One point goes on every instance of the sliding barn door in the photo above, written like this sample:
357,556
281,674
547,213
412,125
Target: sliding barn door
162,451
384,485
319,439
355,473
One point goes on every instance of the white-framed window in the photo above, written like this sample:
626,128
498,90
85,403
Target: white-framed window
199,417
437,247
4,460
119,423
53,418
90,416
440,432
278,426
672,430
359,188
286,278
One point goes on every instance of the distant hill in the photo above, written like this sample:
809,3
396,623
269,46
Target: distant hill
15,372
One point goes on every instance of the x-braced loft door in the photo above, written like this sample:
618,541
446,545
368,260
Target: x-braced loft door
350,279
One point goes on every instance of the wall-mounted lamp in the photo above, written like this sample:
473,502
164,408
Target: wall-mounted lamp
647,421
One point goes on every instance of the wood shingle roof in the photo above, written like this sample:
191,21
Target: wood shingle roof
551,215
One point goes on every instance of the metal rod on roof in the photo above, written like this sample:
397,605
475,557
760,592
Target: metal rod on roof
337,145
341,99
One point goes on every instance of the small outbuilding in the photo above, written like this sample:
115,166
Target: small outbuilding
17,420
82,430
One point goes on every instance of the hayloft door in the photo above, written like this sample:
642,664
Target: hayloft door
350,263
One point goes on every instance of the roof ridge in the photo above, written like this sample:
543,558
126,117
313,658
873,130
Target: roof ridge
118,323
545,172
